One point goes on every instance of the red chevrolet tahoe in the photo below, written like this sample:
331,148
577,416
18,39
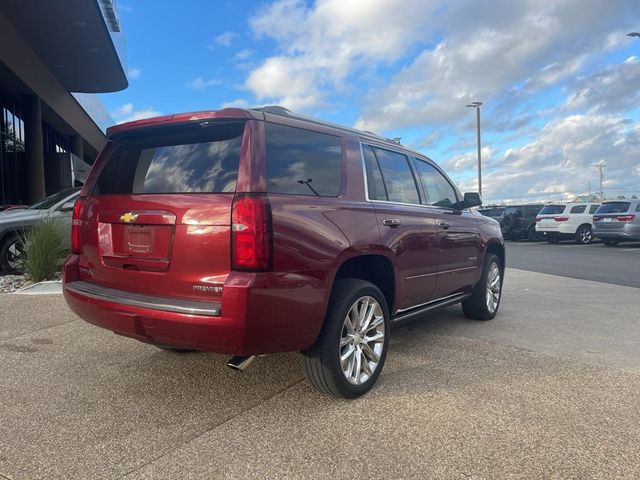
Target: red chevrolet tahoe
255,231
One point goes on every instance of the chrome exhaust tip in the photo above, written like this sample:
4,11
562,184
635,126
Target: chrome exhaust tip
240,363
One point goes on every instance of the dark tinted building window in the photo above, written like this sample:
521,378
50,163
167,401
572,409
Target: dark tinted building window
396,174
302,162
183,159
578,209
439,191
375,184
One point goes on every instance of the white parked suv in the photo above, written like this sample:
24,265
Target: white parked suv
557,221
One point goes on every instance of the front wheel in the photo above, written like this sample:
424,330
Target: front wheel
485,298
584,236
351,349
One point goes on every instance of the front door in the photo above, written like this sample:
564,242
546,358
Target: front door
459,244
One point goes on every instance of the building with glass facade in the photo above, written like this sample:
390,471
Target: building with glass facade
55,56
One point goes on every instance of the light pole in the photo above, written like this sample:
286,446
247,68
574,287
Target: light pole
476,105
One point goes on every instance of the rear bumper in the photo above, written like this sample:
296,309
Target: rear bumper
628,232
258,313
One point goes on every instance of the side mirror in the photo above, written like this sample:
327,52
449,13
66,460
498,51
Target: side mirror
471,199
67,206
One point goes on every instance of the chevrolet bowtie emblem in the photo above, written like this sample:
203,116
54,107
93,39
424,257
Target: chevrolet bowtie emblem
128,217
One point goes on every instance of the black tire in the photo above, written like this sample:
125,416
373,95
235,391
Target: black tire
321,363
8,258
476,307
174,349
609,242
584,235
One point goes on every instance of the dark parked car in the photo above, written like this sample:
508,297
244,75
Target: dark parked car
494,212
519,221
617,221
257,231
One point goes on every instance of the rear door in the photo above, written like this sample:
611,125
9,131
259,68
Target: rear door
459,244
157,219
406,226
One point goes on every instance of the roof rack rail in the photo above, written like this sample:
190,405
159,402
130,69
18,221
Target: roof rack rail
285,112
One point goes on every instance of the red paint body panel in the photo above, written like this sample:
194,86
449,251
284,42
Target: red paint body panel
179,247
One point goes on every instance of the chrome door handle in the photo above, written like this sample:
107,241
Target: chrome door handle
391,222
444,225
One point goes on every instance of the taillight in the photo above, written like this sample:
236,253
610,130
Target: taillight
561,219
596,219
251,233
538,219
626,218
76,223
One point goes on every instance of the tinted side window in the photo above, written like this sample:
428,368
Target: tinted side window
183,159
593,208
531,210
578,209
302,162
397,176
638,208
438,190
375,184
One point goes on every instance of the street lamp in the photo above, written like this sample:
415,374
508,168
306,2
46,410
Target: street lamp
476,105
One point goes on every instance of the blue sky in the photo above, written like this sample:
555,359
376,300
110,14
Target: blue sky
560,80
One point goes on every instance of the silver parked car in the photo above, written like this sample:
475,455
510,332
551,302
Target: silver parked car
58,207
617,221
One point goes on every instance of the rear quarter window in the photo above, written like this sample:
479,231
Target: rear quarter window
302,162
578,209
183,159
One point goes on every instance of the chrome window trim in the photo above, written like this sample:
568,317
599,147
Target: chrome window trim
189,307
409,156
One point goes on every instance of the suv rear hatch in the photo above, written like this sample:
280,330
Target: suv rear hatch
550,216
612,216
157,216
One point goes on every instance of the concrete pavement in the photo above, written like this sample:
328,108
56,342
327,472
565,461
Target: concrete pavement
549,389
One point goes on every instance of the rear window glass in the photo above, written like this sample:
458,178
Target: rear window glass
614,207
185,159
552,209
302,162
578,209
515,211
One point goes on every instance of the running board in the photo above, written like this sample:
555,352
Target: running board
427,307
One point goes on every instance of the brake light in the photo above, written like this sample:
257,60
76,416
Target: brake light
76,223
538,219
561,219
626,218
251,233
596,219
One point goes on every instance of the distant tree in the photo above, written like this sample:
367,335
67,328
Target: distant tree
10,143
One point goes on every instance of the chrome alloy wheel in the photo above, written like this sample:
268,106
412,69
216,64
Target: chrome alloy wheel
494,287
585,236
15,255
362,340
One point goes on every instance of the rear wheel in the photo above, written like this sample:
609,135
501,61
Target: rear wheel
584,236
11,254
485,299
610,243
351,349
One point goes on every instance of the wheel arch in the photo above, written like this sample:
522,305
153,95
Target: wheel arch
499,251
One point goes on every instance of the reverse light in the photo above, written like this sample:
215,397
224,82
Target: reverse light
251,233
561,219
626,218
76,223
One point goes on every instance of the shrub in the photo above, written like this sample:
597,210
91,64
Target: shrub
43,250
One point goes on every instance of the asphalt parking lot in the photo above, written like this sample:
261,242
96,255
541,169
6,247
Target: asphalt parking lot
549,389
619,264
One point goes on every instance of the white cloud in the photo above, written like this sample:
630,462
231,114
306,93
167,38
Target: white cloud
127,113
225,39
134,73
200,83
